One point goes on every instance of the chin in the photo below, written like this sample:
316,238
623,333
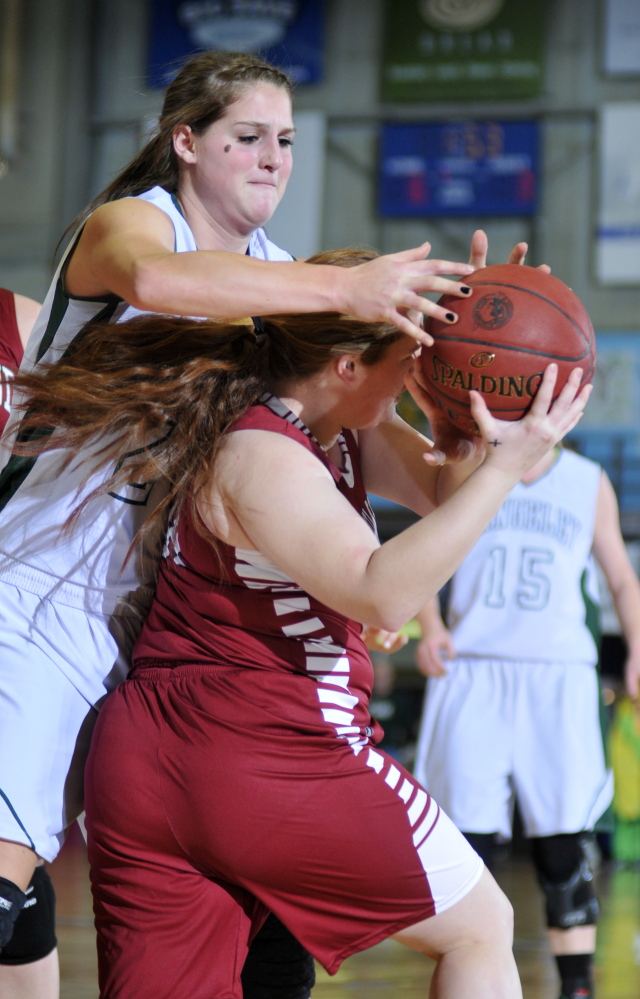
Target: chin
259,214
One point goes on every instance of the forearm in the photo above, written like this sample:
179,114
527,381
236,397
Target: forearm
626,600
429,617
452,475
409,570
229,286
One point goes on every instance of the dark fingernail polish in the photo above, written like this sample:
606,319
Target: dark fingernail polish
450,317
465,289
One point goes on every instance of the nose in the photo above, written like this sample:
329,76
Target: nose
271,158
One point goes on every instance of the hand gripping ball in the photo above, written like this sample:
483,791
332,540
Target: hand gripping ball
515,323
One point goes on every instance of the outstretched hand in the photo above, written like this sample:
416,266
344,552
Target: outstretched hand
391,289
515,447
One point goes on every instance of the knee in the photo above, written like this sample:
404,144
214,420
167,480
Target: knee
484,918
566,879
499,919
34,933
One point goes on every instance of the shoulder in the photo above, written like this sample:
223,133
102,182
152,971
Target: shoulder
260,460
130,214
257,446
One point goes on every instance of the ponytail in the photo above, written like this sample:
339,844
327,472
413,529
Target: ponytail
161,390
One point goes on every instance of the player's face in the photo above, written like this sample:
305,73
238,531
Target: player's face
243,160
384,382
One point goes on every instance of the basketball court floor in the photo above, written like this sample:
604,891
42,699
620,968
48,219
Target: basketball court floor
390,971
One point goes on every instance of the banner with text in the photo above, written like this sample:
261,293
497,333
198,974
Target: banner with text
439,50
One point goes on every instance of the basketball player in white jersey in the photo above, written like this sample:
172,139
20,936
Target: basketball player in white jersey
516,710
29,964
179,231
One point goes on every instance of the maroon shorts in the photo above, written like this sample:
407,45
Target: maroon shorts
216,794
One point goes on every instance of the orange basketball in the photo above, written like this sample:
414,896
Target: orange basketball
515,323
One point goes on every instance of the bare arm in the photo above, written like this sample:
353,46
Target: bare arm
397,465
27,310
609,550
328,549
126,249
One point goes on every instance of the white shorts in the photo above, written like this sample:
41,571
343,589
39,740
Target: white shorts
45,722
493,729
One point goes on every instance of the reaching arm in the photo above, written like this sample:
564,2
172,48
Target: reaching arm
401,465
609,550
328,549
126,249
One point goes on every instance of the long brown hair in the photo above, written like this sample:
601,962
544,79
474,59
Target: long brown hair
201,93
179,382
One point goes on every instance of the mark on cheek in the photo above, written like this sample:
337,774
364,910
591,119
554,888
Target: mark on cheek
227,148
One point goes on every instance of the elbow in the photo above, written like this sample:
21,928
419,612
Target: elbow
387,618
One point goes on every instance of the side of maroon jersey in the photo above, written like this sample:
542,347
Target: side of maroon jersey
10,352
242,610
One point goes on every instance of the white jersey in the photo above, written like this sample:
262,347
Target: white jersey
524,589
82,567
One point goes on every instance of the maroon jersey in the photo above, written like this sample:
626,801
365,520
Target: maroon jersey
242,610
245,731
10,352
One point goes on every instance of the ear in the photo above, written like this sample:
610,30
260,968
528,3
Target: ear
347,368
184,143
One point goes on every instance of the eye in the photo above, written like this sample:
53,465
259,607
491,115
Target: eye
247,139
285,142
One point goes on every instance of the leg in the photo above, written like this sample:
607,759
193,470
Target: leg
37,980
467,773
472,944
572,908
29,962
277,966
17,863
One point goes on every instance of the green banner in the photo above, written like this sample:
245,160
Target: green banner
441,50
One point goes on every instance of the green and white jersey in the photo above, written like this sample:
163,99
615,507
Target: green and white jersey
83,566
525,590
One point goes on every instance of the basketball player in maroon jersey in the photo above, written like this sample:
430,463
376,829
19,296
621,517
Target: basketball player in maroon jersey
17,316
244,735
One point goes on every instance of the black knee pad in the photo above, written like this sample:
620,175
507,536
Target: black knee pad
11,902
277,966
34,935
566,879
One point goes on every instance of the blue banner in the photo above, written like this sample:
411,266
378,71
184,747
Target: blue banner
287,33
459,169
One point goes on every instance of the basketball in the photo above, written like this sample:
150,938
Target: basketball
514,324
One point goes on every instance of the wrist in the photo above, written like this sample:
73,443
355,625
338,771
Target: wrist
338,286
492,468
